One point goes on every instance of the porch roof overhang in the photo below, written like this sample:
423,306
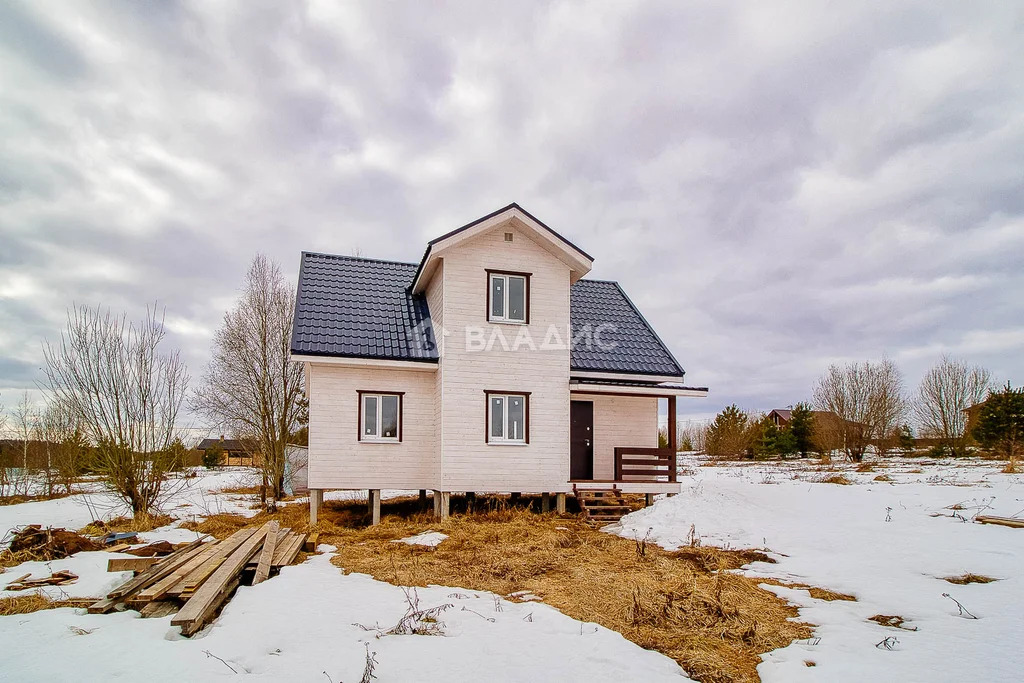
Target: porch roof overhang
634,388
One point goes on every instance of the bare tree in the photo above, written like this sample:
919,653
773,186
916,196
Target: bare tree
945,394
26,418
868,400
63,440
4,484
251,387
126,395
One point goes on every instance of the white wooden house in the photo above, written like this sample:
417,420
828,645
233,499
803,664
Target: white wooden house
492,365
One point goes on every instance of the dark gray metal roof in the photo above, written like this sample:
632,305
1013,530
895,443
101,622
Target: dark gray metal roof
623,339
361,308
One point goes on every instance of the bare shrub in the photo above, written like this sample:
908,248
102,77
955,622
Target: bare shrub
945,394
867,398
124,394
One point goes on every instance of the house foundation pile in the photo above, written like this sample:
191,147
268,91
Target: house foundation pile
195,581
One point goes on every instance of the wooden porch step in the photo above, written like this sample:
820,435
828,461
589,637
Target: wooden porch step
602,505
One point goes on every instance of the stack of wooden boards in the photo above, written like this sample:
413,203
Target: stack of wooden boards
196,580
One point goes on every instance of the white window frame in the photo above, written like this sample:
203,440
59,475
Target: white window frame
501,439
376,437
505,301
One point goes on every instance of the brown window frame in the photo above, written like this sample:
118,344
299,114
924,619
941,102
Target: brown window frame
401,414
487,414
494,271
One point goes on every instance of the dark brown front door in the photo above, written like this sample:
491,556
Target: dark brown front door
581,440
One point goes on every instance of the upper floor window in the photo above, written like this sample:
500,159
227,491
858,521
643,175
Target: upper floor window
380,416
508,297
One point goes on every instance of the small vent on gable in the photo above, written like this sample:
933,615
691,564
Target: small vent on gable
508,237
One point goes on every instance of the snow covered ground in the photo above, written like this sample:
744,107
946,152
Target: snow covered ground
887,543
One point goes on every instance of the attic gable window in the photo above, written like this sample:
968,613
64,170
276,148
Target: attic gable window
508,297
380,416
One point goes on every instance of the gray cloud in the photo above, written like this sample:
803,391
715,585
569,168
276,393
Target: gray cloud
778,187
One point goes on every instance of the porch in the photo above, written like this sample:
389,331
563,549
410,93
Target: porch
647,468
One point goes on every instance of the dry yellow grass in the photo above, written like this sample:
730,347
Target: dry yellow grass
892,621
967,578
17,500
835,479
138,523
26,604
1011,467
684,604
815,592
865,467
883,477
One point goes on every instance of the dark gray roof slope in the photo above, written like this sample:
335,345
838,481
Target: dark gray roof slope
360,308
626,342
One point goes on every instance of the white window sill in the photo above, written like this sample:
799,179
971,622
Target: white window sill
365,440
508,322
507,443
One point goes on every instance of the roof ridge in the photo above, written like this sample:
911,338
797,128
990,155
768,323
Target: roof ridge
358,258
597,280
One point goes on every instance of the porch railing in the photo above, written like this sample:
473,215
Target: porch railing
645,464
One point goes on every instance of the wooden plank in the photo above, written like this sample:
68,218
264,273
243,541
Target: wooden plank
282,543
278,551
158,609
312,540
117,548
1002,521
214,590
294,545
105,605
267,554
159,590
131,564
191,581
158,570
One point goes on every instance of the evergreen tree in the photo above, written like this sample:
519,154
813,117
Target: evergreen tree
1000,424
801,428
729,434
905,441
212,457
765,437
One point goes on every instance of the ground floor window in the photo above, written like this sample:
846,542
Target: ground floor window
508,417
380,416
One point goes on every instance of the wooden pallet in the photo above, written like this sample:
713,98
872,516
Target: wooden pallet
602,506
194,582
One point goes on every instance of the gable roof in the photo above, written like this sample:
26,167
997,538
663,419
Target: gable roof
361,308
226,445
627,343
578,260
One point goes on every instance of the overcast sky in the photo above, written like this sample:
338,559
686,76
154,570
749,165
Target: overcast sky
777,187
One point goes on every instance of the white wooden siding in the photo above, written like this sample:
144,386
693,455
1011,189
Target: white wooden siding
435,302
339,460
468,462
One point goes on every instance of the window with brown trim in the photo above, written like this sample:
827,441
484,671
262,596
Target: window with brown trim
380,416
507,417
508,297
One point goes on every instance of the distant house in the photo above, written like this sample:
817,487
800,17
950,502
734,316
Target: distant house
234,451
781,417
